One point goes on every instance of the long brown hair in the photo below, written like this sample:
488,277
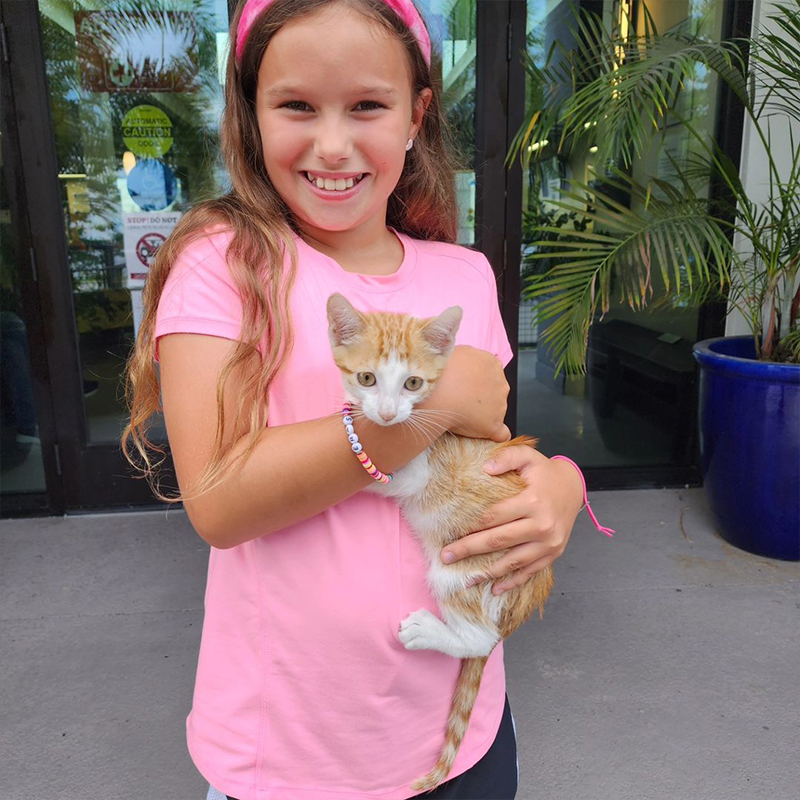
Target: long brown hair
421,206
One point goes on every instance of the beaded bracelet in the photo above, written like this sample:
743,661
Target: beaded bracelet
606,531
358,449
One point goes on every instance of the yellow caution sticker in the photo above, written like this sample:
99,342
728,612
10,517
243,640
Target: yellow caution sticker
147,131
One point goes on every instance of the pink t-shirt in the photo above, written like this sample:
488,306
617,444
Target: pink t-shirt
303,689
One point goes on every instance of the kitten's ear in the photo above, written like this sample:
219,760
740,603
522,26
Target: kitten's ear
441,331
345,323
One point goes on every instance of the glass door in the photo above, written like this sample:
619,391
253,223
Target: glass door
453,30
135,94
22,467
635,405
118,114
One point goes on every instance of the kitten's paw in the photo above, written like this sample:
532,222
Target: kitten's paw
421,630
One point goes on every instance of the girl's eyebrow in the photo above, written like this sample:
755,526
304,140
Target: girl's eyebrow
280,90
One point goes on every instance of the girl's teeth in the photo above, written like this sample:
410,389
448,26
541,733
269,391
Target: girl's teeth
331,185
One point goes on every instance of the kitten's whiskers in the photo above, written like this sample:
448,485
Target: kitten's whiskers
419,429
425,424
433,412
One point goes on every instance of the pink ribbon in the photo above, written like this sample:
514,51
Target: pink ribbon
606,531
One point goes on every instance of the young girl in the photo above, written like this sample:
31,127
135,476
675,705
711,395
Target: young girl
333,135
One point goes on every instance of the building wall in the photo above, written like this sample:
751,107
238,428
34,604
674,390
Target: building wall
754,168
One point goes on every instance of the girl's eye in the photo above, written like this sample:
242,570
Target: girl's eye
292,105
413,383
366,378
371,103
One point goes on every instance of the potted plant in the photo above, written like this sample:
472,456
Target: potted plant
667,239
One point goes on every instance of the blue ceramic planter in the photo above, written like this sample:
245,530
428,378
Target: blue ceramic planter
750,446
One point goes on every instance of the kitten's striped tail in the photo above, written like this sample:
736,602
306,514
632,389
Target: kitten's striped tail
466,692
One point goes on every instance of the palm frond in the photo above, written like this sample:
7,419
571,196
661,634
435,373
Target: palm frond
547,99
662,241
625,87
776,60
791,344
688,247
634,100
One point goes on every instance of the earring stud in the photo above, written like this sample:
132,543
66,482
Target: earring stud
409,144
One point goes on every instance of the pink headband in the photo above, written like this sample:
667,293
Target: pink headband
404,9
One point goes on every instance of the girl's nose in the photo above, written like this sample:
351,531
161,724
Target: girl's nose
332,142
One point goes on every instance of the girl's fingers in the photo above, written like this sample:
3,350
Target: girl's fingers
504,511
490,540
523,575
512,459
516,559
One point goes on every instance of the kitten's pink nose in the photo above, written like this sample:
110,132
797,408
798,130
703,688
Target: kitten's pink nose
387,416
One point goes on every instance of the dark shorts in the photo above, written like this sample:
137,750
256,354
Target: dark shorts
494,777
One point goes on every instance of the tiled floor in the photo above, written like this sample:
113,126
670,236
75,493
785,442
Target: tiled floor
666,665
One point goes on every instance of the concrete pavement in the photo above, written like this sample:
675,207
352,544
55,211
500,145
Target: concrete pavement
667,665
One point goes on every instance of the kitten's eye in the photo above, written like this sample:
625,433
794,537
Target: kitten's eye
366,378
413,383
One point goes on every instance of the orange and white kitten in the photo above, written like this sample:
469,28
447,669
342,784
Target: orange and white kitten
390,363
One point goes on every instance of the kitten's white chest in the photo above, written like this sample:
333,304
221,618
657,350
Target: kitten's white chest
409,482
409,488
428,521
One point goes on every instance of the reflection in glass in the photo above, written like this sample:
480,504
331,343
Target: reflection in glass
453,36
634,406
21,468
136,97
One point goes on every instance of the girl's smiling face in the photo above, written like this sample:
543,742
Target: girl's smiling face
334,99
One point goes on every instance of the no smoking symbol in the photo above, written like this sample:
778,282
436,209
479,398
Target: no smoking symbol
147,247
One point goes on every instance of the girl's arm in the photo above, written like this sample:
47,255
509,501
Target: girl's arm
299,470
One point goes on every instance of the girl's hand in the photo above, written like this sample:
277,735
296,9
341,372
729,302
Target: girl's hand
470,397
535,525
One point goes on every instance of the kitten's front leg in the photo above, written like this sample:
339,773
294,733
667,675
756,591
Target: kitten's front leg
460,638
409,481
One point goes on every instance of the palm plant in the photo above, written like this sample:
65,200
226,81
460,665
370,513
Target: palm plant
626,91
